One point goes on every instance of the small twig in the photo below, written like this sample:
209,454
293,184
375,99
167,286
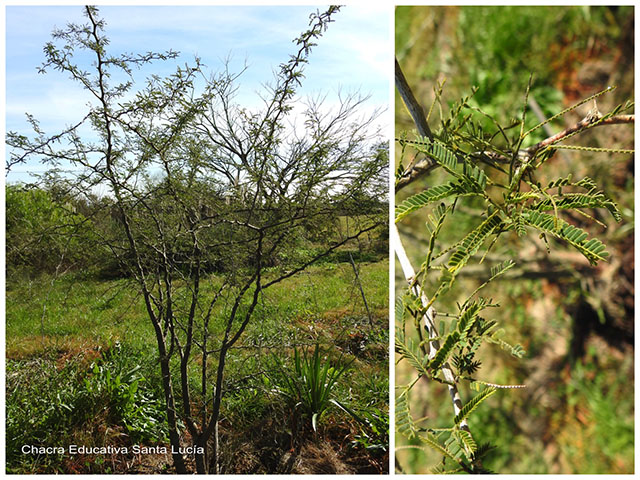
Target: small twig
409,99
424,166
537,111
586,122
429,321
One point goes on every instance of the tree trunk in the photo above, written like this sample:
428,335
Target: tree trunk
202,465
174,435
216,450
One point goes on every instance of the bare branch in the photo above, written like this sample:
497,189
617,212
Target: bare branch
428,320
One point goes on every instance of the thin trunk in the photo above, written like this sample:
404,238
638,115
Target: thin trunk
216,449
212,428
201,458
364,298
174,435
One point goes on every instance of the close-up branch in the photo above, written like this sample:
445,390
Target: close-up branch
428,319
422,165
496,209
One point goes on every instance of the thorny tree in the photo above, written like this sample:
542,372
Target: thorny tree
200,184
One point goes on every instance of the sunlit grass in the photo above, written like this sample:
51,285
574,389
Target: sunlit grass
68,325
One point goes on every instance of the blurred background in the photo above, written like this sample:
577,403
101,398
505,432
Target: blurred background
576,322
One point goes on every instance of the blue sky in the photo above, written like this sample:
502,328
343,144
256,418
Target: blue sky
353,55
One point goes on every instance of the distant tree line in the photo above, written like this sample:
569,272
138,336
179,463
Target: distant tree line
50,228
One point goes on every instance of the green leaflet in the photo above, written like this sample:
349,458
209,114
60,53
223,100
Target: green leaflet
560,182
444,350
518,224
579,200
586,183
472,404
475,176
423,199
593,249
470,244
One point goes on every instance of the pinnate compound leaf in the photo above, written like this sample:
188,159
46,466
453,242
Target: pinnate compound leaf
472,404
482,450
444,351
593,249
501,268
470,244
467,319
441,154
478,385
404,421
423,199
516,351
579,200
467,442
407,350
433,442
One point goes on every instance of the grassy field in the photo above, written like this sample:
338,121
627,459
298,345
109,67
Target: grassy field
82,369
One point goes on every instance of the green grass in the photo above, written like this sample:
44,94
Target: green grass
93,350
73,310
51,311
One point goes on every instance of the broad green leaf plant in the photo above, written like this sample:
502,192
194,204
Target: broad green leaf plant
493,175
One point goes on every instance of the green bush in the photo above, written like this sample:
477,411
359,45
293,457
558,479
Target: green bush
49,405
121,390
41,233
309,386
